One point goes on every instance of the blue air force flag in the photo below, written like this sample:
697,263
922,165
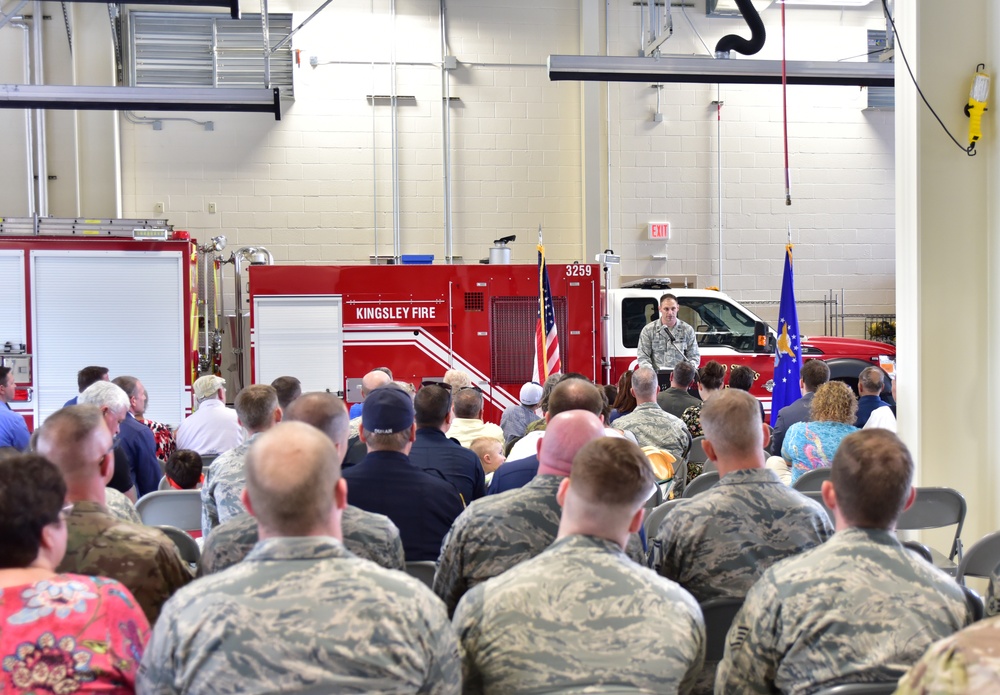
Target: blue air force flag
788,351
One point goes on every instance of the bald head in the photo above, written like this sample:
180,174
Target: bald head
373,380
287,499
565,434
644,385
77,440
733,430
575,394
325,412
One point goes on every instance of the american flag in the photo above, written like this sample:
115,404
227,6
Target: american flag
546,339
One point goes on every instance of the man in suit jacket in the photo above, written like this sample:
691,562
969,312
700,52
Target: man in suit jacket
814,374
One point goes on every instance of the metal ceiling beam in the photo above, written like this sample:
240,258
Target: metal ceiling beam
707,70
85,98
232,5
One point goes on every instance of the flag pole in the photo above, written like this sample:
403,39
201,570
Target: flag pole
544,367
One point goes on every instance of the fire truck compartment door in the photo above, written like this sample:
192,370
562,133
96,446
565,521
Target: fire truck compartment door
301,336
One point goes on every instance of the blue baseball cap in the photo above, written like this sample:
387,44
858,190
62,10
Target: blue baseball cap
387,410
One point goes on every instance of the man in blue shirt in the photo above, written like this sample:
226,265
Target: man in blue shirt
434,451
13,429
421,504
870,392
137,439
84,378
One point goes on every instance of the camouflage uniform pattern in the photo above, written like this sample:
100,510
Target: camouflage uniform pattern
224,483
369,536
653,426
656,350
353,427
580,615
496,532
120,506
859,608
140,557
756,520
302,615
967,663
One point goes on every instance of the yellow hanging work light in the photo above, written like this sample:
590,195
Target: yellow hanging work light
977,105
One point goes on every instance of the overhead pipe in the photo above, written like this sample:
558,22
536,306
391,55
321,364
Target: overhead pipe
735,42
41,166
449,250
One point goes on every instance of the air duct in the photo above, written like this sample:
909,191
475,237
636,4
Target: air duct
735,42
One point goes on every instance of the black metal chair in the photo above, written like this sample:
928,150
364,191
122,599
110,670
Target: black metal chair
719,614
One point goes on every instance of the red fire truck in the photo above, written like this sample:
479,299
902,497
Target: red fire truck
329,325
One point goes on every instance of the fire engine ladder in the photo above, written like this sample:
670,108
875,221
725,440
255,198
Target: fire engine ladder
76,226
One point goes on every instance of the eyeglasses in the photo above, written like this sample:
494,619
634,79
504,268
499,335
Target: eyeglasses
443,384
474,387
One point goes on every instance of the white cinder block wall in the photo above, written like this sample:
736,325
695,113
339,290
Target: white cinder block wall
316,187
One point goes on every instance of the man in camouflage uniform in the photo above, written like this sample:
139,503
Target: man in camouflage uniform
859,608
755,519
582,614
120,506
498,532
667,340
301,613
370,536
258,411
967,663
76,439
651,425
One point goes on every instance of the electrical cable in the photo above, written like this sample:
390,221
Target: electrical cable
970,150
69,32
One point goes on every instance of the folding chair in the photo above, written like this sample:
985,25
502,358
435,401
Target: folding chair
697,453
701,483
976,605
656,517
817,496
719,614
886,688
422,570
982,558
812,480
186,545
180,508
164,484
937,507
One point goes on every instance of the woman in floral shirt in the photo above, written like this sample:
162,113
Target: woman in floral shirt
59,633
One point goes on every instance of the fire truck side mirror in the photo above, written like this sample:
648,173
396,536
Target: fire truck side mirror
762,337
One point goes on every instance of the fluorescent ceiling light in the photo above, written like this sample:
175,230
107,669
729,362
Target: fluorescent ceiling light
827,3
85,98
706,70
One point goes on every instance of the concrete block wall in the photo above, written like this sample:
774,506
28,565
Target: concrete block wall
316,187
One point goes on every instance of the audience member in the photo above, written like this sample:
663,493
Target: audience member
421,504
301,613
755,519
624,402
85,377
13,428
374,379
288,388
405,386
610,394
62,633
137,440
742,377
870,386
499,532
184,470
524,631
258,411
516,418
710,380
884,417
676,399
860,607
490,454
119,506
163,434
212,428
467,405
113,404
370,536
522,462
811,445
814,374
967,663
543,406
457,379
433,451
651,425
78,442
